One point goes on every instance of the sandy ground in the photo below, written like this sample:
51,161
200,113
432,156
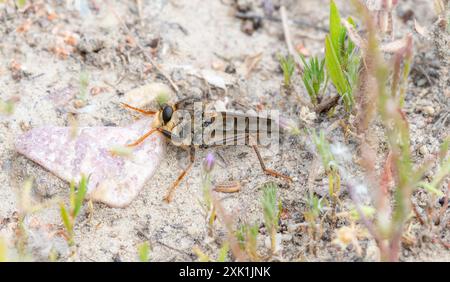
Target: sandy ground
192,34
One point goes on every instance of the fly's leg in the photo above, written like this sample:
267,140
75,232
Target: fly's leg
169,196
141,139
164,132
149,113
269,171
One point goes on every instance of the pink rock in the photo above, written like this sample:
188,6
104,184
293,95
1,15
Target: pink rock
114,180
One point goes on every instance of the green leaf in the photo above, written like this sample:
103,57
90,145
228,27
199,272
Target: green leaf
335,25
223,252
6,107
65,218
287,64
313,77
310,90
430,188
341,50
334,67
144,252
3,251
82,189
351,46
21,3
202,257
315,206
240,235
84,83
342,58
367,211
324,150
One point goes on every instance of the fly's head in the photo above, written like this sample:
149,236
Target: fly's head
174,121
165,117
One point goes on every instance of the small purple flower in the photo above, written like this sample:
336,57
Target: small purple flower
208,163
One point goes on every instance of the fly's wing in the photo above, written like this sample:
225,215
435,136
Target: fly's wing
232,128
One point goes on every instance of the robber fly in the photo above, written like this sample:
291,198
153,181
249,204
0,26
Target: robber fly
189,125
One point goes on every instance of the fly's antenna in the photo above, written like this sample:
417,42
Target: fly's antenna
148,113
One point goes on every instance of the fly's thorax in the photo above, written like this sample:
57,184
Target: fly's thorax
180,127
170,125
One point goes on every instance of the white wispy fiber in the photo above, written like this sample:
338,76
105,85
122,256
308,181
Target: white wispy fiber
341,153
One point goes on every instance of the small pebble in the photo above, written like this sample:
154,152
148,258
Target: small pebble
218,65
421,82
429,110
78,103
286,237
423,150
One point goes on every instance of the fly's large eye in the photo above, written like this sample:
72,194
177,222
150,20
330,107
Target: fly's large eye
167,113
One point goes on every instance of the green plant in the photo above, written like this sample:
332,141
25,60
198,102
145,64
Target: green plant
330,166
20,3
3,250
223,253
315,207
144,252
162,98
287,65
314,78
247,238
400,77
70,214
53,255
342,58
221,257
271,209
392,211
443,172
82,96
26,207
6,107
84,83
